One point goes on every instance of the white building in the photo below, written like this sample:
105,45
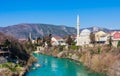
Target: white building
83,38
56,40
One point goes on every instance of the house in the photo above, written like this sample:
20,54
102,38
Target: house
4,51
100,37
74,37
115,38
4,54
56,40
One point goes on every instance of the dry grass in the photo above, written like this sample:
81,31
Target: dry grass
99,61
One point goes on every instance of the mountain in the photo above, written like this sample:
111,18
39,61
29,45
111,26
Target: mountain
22,31
95,28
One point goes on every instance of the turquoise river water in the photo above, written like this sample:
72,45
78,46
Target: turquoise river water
51,66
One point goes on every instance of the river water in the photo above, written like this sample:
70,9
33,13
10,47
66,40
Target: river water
51,66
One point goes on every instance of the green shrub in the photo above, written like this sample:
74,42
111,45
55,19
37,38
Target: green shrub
99,50
74,47
9,65
73,43
92,51
61,47
110,42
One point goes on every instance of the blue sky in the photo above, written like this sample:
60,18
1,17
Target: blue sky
103,13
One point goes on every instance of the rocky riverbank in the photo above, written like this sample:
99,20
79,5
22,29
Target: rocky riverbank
12,69
31,60
99,59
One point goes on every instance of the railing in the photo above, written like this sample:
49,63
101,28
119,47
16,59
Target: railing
2,52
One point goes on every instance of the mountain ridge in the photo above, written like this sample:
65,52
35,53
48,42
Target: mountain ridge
21,31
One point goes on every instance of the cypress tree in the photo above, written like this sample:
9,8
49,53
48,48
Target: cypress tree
118,45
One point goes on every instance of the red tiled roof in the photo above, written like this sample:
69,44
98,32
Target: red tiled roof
57,37
116,35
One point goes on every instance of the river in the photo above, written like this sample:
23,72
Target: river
51,66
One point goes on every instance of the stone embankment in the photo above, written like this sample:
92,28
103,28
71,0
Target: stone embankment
30,61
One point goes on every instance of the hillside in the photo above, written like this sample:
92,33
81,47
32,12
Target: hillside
23,30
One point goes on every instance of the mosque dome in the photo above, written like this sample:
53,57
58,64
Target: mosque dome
85,32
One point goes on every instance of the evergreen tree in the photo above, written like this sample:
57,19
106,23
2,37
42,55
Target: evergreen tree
49,40
110,42
118,45
6,43
29,46
69,40
43,41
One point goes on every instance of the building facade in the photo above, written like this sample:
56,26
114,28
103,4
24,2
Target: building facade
100,37
115,38
56,40
85,37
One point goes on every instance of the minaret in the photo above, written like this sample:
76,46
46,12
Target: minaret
78,25
30,36
78,29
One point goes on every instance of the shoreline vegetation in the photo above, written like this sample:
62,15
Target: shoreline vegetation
100,59
17,60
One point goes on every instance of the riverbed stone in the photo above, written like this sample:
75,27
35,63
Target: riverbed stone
60,54
75,57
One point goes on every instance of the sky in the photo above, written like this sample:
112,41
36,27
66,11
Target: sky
102,13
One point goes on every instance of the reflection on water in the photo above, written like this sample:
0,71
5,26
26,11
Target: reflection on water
51,66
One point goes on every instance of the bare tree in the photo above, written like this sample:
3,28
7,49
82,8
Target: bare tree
92,38
69,40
